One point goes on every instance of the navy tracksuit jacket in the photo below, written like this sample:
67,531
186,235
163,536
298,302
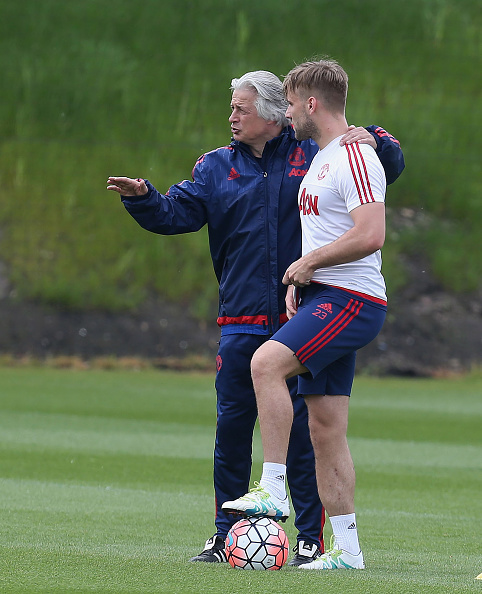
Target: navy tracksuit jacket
250,207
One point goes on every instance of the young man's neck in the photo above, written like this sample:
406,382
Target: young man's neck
330,130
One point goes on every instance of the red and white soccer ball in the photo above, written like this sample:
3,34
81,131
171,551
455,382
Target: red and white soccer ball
257,543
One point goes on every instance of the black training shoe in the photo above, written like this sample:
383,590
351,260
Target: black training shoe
213,551
305,553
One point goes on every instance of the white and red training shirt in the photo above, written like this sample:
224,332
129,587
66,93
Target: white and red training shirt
340,179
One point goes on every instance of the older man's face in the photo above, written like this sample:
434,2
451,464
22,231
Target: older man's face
246,125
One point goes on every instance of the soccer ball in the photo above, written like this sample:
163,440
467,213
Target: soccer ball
257,543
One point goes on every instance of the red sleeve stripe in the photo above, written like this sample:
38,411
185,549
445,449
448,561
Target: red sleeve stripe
360,174
381,133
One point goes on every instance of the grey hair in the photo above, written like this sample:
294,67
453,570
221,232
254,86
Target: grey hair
271,102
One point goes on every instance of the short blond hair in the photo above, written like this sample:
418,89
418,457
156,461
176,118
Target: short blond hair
324,77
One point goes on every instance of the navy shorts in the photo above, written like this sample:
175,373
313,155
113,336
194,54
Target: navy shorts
330,326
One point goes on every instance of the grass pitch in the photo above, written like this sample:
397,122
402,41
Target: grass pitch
106,486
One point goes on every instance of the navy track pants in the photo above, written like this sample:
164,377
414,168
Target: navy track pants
236,417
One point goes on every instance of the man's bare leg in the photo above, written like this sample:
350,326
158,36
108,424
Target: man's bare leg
272,364
335,473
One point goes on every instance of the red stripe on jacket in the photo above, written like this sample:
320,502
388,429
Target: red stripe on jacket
259,320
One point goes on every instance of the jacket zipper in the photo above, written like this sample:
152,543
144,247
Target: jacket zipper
267,253
267,245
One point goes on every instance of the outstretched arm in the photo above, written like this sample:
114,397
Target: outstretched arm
179,211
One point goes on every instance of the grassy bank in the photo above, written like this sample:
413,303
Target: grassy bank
95,88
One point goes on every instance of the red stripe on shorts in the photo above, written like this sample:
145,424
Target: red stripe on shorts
341,321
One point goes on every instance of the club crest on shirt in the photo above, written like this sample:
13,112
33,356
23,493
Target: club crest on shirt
323,171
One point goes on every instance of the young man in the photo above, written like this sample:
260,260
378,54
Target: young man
342,308
247,194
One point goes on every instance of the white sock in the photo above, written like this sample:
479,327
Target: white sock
273,479
346,533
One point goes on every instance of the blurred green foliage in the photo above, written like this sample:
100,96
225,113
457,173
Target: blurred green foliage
93,88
